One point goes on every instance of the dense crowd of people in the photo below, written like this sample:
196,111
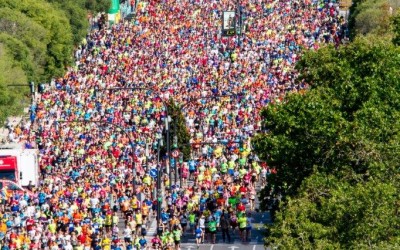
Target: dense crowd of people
95,175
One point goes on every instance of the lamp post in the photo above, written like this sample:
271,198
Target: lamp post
239,13
181,168
175,145
159,191
167,121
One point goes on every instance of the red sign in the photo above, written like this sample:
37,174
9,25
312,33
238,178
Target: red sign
8,162
175,153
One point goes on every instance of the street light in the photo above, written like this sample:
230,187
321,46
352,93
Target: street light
159,191
181,168
175,145
239,13
167,121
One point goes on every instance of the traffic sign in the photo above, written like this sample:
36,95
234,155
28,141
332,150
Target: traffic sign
175,153
153,173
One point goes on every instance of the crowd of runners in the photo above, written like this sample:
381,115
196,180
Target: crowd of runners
93,175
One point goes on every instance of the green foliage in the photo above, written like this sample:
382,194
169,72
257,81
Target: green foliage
36,41
330,213
20,54
10,98
396,29
343,135
58,36
371,17
77,15
179,123
96,6
26,38
77,12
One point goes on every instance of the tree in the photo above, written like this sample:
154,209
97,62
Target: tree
31,37
346,126
96,6
77,12
396,29
10,103
36,41
330,213
372,17
178,122
58,36
77,15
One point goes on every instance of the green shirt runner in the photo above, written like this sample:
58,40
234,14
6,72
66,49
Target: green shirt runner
212,226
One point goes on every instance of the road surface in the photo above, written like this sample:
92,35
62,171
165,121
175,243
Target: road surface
223,247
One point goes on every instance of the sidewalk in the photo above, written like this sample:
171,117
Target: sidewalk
11,122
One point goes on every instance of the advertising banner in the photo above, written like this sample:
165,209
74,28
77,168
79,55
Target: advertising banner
228,23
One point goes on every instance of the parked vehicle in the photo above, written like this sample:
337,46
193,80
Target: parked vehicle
19,165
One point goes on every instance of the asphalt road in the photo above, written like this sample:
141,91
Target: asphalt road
257,232
256,242
223,247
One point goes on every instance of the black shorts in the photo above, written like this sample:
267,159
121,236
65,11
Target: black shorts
242,229
213,232
177,242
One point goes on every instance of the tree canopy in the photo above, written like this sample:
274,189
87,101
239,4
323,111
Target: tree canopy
57,39
178,123
335,149
396,29
37,38
372,17
10,97
330,213
77,12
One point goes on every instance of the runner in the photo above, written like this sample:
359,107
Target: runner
175,49
199,235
